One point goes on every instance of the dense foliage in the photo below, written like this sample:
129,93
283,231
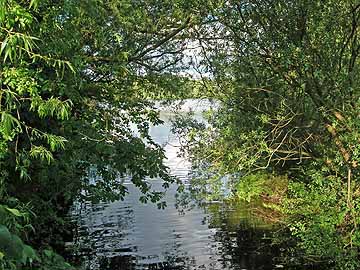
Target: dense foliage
73,75
76,78
287,75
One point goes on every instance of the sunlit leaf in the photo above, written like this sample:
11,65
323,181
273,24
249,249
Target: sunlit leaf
14,211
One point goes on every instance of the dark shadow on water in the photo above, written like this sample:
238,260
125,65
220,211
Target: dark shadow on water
228,239
127,235
213,236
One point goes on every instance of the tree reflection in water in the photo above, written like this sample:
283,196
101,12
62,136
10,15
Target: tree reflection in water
129,235
235,242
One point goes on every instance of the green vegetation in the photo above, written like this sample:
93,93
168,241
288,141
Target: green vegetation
287,75
272,188
75,75
71,78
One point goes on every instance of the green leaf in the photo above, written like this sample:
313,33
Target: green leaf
10,244
55,142
42,153
29,254
14,211
48,253
70,66
34,4
3,45
9,123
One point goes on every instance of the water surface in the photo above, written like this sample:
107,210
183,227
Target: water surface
131,235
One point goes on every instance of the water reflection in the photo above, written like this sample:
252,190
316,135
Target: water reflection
131,235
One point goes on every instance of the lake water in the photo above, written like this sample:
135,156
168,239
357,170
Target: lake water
131,235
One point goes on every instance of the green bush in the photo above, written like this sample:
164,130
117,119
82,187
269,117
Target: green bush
319,218
272,187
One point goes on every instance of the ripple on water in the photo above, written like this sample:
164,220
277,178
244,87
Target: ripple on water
126,235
